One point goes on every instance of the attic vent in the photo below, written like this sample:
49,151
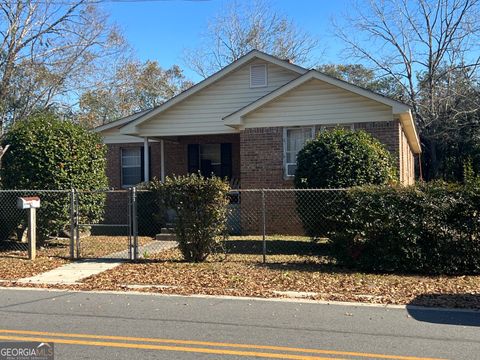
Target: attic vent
258,75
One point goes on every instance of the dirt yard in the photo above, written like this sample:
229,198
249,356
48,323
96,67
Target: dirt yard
294,267
14,263
242,273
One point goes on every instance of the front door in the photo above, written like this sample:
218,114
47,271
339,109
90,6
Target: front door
210,159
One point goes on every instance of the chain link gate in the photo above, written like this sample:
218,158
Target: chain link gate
114,235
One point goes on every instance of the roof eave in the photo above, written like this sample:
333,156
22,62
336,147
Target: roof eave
408,125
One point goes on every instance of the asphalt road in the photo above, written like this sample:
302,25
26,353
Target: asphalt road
122,326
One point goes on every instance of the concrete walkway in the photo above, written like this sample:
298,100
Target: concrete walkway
74,272
151,248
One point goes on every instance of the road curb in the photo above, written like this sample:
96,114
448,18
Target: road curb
244,298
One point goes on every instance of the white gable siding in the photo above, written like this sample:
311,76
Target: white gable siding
202,113
113,136
317,102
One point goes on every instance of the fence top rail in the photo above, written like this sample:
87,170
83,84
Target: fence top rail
145,190
286,190
33,191
102,191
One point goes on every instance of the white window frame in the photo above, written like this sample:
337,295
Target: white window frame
285,144
265,67
125,186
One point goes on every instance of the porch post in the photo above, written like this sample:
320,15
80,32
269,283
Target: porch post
162,161
146,157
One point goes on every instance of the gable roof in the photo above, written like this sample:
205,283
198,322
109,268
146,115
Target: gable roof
400,109
128,124
129,127
122,121
235,118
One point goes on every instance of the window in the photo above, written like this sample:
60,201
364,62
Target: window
293,142
132,169
210,159
258,75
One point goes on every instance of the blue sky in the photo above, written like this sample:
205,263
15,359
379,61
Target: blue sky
161,30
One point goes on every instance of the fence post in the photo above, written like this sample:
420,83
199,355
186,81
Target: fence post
72,224
264,229
77,226
135,223
129,224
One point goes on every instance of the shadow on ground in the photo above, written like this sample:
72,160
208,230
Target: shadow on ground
276,247
51,248
446,316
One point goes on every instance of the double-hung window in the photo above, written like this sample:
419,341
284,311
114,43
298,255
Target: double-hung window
294,139
132,169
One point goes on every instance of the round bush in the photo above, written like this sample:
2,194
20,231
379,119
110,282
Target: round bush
337,159
343,158
47,153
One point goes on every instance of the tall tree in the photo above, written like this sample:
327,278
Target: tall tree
48,49
243,26
425,46
134,87
362,76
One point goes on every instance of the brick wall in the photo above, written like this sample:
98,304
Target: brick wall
407,166
261,159
261,152
388,133
261,166
257,160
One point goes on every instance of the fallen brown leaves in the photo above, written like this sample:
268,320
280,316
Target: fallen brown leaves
244,275
15,264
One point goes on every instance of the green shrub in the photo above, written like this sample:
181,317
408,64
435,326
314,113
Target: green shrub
337,159
47,153
10,218
201,212
341,159
151,216
431,228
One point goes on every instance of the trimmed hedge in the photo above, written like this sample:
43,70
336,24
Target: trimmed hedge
431,228
201,209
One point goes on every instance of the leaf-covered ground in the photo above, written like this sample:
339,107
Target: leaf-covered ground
290,266
14,263
245,275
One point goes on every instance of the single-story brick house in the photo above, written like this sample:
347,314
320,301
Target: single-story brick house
248,121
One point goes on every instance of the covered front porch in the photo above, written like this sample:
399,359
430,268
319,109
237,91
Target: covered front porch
158,157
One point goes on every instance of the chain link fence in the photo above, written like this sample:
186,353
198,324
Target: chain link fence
264,224
277,223
54,214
